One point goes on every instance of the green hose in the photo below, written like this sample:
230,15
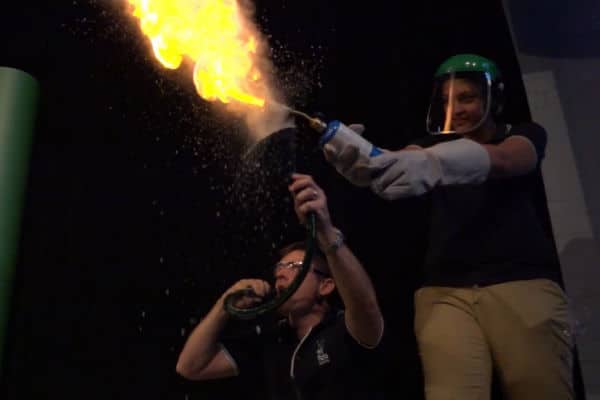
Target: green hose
251,313
18,104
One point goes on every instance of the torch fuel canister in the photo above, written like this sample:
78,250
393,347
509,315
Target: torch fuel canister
340,136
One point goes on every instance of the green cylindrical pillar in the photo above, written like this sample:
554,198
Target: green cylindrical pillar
18,104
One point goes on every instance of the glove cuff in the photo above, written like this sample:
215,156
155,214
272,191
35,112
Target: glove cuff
461,161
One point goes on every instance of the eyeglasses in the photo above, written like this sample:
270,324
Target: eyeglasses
297,265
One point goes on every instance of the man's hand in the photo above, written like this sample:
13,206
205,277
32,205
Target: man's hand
309,197
256,290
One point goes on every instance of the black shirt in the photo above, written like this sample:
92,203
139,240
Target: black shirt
326,364
488,233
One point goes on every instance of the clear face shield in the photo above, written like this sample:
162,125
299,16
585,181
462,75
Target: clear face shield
460,103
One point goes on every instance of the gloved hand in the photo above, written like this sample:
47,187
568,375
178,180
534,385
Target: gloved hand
345,155
409,173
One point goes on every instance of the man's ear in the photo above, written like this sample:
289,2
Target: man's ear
326,287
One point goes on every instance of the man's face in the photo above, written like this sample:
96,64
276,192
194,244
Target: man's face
309,292
464,102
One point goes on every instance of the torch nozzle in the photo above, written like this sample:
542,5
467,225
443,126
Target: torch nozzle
313,122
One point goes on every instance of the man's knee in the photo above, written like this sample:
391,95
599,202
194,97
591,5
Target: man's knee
538,387
547,380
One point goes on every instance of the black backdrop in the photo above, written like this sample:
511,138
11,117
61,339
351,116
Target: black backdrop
135,218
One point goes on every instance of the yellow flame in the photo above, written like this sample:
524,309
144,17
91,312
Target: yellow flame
216,35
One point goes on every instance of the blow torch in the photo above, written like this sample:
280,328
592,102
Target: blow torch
337,134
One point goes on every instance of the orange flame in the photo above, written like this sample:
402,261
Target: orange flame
216,35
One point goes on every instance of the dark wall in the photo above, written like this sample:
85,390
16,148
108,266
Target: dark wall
135,221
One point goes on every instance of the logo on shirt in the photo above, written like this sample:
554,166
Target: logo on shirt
322,357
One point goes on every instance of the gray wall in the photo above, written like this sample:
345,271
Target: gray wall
558,46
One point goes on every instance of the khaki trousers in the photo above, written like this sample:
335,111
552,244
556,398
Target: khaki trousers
522,329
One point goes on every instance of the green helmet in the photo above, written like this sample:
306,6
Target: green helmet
484,91
469,63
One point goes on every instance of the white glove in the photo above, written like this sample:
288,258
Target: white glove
409,173
358,128
345,154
